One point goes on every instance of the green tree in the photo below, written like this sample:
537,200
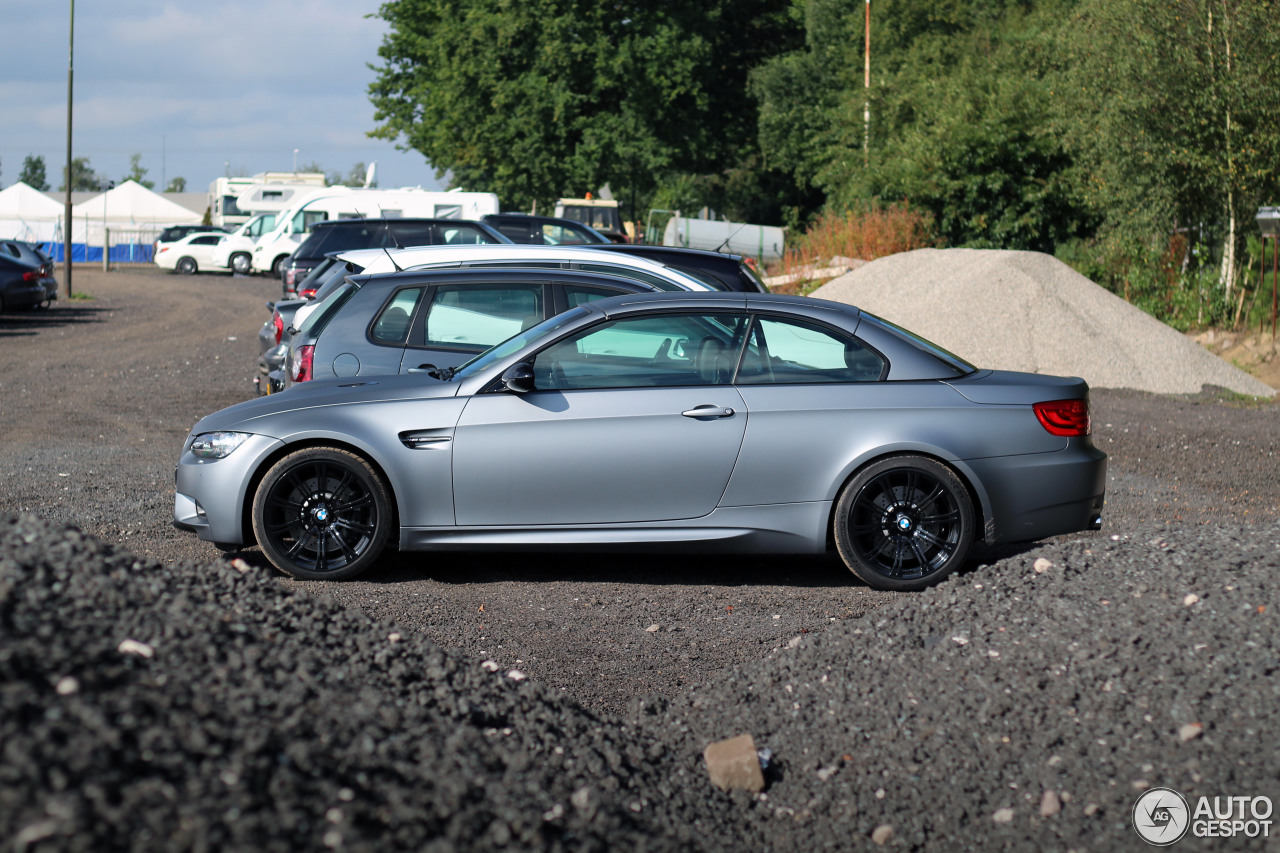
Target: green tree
959,116
1172,109
83,178
33,172
536,100
176,185
137,173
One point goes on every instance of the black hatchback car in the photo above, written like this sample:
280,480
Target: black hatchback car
720,270
346,235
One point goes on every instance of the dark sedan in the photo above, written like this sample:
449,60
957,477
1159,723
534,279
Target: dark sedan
25,285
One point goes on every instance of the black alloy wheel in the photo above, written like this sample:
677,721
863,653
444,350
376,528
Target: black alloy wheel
187,266
322,514
904,523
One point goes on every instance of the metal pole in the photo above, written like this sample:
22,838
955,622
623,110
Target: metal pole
106,241
866,86
1275,247
66,235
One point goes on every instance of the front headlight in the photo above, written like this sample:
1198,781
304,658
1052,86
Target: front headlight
217,445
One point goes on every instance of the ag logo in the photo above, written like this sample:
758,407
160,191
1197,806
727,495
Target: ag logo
1161,816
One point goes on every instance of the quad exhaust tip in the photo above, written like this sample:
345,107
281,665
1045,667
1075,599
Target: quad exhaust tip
1095,523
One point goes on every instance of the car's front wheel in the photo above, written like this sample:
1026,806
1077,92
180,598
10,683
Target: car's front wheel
904,523
322,513
187,266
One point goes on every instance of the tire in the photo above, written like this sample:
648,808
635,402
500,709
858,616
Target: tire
277,267
904,523
239,263
187,266
322,514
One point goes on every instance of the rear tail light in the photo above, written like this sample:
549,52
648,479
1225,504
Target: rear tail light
307,293
31,275
1064,417
302,364
278,323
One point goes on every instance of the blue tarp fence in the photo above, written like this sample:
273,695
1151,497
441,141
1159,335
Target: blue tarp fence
124,253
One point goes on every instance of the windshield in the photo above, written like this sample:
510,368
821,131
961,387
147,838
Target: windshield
517,342
324,311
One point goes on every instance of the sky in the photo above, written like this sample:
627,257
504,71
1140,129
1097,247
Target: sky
199,90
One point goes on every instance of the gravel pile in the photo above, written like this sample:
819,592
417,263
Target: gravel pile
202,707
1020,707
1029,311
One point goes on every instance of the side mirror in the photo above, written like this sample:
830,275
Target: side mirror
519,378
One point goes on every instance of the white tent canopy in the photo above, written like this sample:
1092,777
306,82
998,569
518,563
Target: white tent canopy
28,214
129,207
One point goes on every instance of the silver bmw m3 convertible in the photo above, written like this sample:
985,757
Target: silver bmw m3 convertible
683,421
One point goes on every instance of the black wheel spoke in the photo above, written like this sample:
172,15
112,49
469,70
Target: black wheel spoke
921,557
306,537
949,517
322,551
935,541
356,526
360,502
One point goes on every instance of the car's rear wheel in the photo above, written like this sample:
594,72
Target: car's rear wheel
322,514
187,266
277,268
904,523
240,263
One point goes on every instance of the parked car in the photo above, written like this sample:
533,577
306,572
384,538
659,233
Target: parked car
29,253
662,276
173,233
347,234
274,375
623,422
544,230
190,254
427,321
24,284
721,270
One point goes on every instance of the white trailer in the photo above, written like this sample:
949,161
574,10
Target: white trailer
273,249
762,242
234,201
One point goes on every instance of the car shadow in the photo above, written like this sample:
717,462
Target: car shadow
658,569
32,321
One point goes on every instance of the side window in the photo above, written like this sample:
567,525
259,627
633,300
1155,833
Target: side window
205,241
666,350
476,317
787,351
304,219
577,294
392,325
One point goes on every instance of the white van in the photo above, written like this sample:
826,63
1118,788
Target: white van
273,249
236,249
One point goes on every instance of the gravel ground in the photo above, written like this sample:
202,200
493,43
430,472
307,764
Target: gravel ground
277,714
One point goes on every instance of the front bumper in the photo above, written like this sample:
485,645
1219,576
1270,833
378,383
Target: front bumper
210,495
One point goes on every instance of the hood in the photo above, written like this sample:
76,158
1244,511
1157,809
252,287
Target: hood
321,393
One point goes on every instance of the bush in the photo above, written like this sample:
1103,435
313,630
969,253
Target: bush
866,235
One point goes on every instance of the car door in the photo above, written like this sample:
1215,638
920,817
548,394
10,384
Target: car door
201,248
632,420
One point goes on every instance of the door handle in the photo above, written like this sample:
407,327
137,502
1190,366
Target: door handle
708,411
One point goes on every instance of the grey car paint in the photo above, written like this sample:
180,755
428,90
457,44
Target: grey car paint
470,464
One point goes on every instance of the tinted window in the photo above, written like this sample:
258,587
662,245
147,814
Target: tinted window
642,352
479,316
392,324
790,351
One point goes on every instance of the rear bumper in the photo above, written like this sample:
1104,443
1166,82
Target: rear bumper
1043,494
25,295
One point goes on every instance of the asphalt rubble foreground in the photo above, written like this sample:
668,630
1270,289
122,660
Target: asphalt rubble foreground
1020,706
201,707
